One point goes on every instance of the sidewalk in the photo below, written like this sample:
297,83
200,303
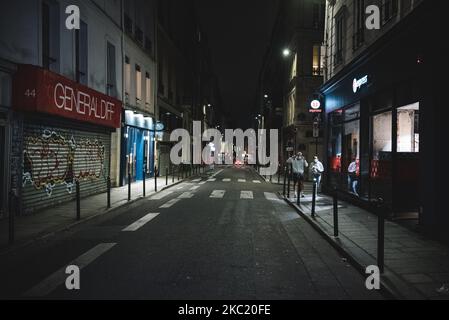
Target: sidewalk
54,219
415,267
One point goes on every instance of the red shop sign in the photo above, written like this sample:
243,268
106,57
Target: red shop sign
39,90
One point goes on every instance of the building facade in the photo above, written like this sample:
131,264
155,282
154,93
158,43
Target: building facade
292,72
65,106
382,97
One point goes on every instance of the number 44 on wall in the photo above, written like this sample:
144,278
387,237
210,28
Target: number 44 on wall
30,93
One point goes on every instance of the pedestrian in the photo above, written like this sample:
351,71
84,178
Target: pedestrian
299,165
316,171
353,177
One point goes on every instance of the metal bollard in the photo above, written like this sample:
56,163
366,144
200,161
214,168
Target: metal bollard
314,197
108,185
155,180
279,174
129,186
78,201
285,181
289,174
335,198
298,200
166,176
381,236
144,184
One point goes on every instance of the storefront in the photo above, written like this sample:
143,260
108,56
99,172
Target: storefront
65,137
138,141
380,122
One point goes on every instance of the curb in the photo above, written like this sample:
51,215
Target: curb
386,290
41,237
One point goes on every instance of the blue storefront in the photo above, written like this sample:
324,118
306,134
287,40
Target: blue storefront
137,154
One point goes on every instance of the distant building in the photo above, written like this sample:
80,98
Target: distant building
292,72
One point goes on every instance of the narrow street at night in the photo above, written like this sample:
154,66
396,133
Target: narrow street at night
226,235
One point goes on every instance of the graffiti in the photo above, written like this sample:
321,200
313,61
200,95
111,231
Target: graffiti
51,160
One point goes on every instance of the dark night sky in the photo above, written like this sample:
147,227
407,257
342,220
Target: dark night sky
239,32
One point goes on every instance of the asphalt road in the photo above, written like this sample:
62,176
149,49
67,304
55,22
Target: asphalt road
224,236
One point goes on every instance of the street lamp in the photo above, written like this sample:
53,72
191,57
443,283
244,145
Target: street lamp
286,52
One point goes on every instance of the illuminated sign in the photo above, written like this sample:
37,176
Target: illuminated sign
357,84
39,90
315,107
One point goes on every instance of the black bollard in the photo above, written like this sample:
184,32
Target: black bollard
298,199
314,197
108,185
335,198
289,174
166,176
129,186
78,201
144,184
285,181
155,180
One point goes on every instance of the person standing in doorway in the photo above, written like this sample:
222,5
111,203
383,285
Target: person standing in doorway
299,165
353,177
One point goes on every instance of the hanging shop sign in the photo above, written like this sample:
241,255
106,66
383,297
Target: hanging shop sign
39,90
359,83
315,106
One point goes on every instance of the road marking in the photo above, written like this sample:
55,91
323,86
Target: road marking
271,196
218,194
160,195
242,180
202,182
194,188
186,195
226,180
141,222
196,180
212,180
170,203
246,195
218,172
48,285
256,181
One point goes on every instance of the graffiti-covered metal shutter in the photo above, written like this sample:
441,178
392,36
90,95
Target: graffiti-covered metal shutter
54,158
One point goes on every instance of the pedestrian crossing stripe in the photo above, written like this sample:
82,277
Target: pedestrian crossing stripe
242,180
256,181
226,180
217,194
246,195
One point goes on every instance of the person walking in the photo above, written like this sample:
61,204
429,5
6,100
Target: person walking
316,171
299,165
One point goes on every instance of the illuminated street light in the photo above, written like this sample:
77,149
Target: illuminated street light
286,52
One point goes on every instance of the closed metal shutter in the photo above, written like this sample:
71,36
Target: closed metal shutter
54,158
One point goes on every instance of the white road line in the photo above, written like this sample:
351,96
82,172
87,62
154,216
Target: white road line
160,195
226,180
50,284
196,180
242,180
169,204
141,222
186,195
246,195
218,194
271,196
212,180
194,188
202,182
256,181
218,172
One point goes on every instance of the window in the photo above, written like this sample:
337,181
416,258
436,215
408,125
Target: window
359,23
340,30
389,9
318,60
111,74
128,25
148,92
127,77
50,36
138,85
81,53
408,129
406,6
